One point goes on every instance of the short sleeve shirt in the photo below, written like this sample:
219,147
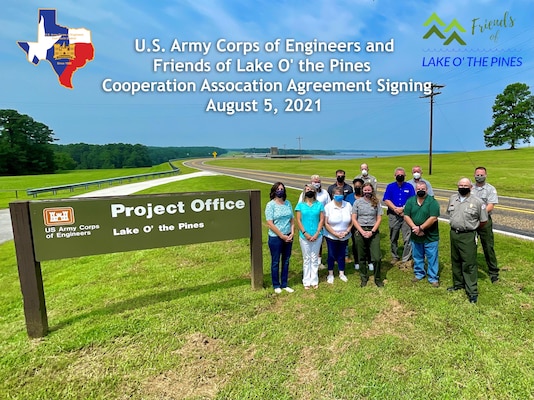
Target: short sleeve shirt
322,196
466,215
366,214
339,218
429,189
420,213
310,216
487,193
398,195
281,215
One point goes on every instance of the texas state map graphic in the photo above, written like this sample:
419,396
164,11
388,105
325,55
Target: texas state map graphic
66,49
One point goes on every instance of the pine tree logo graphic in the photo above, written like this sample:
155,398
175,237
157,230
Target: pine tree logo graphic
451,30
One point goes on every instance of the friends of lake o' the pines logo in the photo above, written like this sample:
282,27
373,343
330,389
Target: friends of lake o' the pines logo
455,33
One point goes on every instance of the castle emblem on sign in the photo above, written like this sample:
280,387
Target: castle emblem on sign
58,216
63,51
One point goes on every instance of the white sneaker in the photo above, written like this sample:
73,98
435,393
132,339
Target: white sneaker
278,290
288,289
356,266
330,279
343,277
371,267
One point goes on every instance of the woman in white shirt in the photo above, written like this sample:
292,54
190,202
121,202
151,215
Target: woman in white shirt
338,224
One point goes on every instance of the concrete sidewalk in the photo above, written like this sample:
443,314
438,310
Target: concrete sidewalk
6,231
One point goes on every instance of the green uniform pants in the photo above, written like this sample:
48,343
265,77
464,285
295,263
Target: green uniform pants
464,261
369,246
486,240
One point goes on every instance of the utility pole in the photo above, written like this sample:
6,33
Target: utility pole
300,150
431,95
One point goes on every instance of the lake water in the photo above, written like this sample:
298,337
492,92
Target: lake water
354,154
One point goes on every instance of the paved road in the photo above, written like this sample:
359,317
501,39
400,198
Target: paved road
5,226
511,216
6,232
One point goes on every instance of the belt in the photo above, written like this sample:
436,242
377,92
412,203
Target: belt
461,230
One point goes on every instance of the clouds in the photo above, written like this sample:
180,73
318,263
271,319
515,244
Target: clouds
355,120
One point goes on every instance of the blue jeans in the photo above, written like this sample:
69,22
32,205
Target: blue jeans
336,252
279,248
430,251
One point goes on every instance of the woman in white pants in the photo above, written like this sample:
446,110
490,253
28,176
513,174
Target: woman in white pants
310,220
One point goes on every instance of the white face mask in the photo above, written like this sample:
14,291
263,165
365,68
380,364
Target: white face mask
364,172
416,175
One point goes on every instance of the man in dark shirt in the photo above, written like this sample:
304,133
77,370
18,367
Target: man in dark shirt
340,182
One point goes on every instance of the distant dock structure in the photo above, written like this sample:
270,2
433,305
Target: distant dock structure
275,153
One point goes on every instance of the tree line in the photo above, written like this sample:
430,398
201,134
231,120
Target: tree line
122,155
27,146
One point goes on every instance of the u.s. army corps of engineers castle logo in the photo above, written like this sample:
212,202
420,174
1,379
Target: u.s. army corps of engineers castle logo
449,34
66,49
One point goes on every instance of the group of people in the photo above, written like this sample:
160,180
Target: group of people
344,212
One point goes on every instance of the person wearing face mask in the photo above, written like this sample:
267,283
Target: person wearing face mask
467,214
395,197
310,221
417,173
340,183
351,198
338,223
488,194
364,174
279,216
321,194
421,213
357,184
323,197
366,217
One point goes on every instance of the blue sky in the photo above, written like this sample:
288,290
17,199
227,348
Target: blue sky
360,121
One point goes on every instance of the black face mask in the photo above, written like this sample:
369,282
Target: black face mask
341,178
309,194
421,193
399,178
368,195
358,191
464,191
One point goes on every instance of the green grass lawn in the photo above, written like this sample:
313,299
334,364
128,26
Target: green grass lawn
183,323
13,188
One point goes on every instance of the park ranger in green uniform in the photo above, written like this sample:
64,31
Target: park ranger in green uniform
488,194
467,213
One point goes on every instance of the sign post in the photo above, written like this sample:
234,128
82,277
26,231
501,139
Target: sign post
31,280
64,228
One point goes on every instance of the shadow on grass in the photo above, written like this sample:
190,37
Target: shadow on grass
133,303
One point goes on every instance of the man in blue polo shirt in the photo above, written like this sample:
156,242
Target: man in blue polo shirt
395,197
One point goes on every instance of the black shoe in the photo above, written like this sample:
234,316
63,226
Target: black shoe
473,299
494,279
363,283
454,288
379,283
